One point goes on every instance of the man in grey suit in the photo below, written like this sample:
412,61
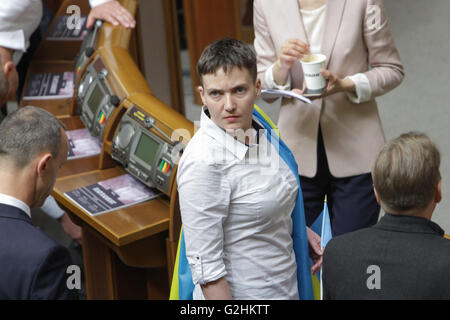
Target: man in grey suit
33,146
405,255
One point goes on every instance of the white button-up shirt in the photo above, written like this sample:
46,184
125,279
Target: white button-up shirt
95,3
18,20
236,203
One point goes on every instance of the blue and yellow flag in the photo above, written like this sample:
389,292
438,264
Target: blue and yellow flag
322,226
182,285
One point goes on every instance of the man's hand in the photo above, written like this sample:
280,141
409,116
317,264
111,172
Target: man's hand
71,228
111,12
315,251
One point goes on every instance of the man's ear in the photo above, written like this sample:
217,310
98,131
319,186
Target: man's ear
376,195
8,67
201,91
438,195
43,163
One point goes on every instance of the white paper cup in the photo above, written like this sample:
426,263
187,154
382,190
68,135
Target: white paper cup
311,64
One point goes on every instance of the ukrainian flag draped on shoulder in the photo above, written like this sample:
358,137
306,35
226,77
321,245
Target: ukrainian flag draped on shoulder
182,285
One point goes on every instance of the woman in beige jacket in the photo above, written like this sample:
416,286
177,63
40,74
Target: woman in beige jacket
336,138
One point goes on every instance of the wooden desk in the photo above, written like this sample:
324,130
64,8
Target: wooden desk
124,250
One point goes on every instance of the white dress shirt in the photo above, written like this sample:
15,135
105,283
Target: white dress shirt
95,3
18,20
11,201
52,209
314,23
236,203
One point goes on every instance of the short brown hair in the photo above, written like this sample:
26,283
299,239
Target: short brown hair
406,173
225,54
27,132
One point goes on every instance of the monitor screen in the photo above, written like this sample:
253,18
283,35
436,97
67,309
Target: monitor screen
95,99
146,149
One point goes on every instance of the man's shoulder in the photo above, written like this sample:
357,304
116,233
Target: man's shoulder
27,240
30,261
346,246
351,238
368,238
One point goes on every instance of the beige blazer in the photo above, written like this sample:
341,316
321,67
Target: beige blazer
357,39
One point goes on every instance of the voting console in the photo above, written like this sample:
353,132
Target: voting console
145,154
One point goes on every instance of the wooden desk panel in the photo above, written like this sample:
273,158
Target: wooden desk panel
58,107
60,49
122,226
125,250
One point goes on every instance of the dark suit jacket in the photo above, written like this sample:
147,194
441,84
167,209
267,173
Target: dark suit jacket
32,265
412,255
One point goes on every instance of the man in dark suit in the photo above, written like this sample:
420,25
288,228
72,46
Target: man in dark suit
405,255
33,146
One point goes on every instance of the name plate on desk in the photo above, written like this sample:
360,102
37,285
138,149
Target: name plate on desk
82,144
112,194
42,86
67,28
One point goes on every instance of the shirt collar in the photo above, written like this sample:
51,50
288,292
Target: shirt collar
235,147
11,201
408,224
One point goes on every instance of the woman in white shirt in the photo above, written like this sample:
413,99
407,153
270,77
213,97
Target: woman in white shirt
236,193
336,138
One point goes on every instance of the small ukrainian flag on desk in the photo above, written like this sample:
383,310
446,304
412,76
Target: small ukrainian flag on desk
102,118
